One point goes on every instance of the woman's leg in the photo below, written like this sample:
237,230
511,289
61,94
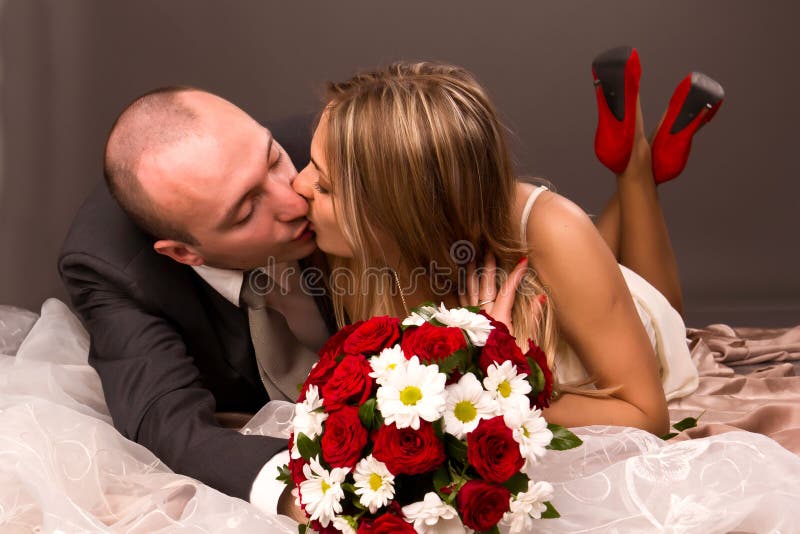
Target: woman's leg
633,224
608,224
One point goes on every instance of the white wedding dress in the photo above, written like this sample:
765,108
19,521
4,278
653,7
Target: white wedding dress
64,468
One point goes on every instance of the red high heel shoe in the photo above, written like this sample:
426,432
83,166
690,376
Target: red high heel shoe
616,79
673,140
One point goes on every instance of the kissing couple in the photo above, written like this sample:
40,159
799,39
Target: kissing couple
203,207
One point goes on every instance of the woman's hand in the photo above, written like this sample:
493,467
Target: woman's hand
482,289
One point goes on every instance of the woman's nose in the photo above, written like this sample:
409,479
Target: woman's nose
302,183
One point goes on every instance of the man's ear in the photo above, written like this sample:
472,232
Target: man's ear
179,251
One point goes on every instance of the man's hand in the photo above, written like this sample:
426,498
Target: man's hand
287,507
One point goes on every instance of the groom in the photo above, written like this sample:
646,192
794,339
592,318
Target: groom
197,194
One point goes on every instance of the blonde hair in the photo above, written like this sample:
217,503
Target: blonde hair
417,156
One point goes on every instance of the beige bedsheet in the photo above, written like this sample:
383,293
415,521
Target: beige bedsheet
749,379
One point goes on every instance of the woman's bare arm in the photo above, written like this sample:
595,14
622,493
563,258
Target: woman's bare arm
597,317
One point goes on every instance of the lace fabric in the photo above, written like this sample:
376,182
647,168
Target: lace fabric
63,467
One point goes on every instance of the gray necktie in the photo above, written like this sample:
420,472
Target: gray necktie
283,362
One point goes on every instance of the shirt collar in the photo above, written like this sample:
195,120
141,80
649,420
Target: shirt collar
228,282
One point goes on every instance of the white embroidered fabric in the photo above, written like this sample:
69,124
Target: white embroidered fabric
64,468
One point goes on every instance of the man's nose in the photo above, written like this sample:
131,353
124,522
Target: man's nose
293,205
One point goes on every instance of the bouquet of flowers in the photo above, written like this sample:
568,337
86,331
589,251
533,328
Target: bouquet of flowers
432,424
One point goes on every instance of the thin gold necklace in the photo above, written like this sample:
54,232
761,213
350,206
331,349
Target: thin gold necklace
400,290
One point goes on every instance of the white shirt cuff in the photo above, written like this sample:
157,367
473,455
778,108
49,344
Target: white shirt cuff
267,488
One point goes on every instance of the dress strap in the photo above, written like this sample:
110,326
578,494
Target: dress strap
526,212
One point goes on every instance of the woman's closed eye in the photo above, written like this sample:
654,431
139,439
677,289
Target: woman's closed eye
318,188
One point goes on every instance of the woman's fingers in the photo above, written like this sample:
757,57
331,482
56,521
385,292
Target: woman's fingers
501,310
487,292
472,285
463,300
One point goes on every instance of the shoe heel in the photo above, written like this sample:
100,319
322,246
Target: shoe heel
609,75
704,92
616,75
673,141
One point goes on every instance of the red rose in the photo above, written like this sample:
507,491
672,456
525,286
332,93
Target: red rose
330,529
319,375
350,383
344,438
501,346
385,524
432,343
481,504
542,398
373,336
492,451
334,346
296,466
496,324
407,451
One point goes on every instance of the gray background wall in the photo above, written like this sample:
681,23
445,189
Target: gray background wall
69,66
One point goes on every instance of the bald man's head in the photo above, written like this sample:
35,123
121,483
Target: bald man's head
154,122
206,180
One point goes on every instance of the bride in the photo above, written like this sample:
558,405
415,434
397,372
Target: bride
410,163
63,467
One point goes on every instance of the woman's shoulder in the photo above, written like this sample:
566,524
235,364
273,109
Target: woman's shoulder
553,218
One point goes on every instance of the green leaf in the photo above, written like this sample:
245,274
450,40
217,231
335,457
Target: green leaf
441,478
346,486
356,500
517,483
301,528
438,427
284,475
366,412
455,448
563,438
308,448
689,422
473,309
671,435
351,521
458,359
550,512
536,377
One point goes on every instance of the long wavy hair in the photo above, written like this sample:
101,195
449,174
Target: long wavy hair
417,157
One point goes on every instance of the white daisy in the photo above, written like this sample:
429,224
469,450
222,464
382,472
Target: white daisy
322,491
420,316
530,430
308,417
526,506
475,325
385,362
343,525
374,483
467,403
412,391
508,388
433,516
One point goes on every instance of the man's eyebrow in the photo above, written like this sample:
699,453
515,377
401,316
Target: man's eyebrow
233,211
